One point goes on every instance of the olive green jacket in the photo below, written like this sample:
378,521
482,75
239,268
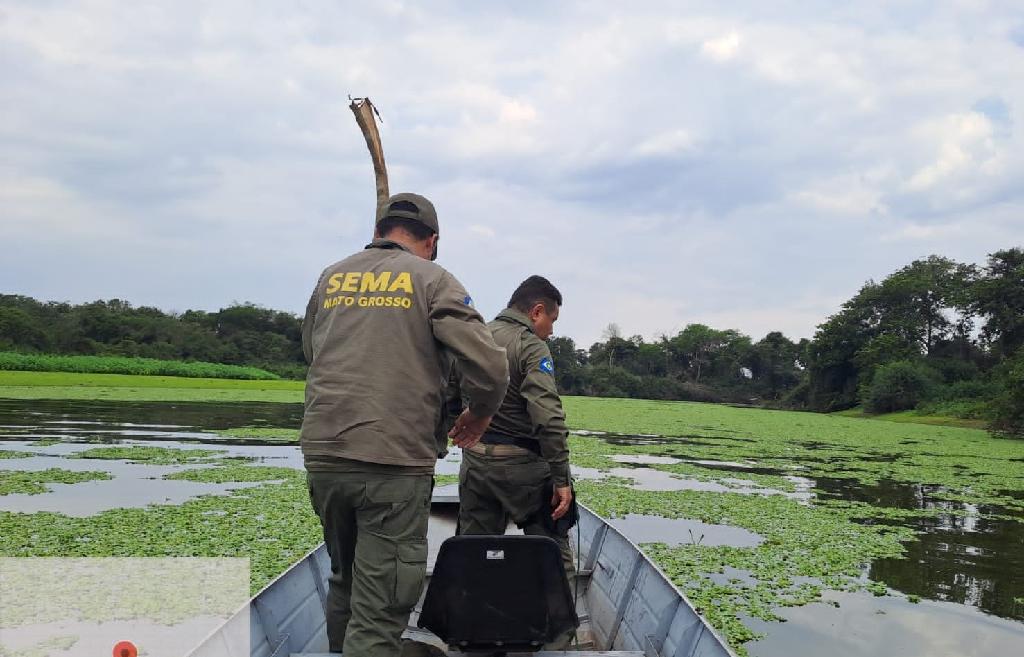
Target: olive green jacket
532,407
379,333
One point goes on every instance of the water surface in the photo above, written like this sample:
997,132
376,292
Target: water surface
966,563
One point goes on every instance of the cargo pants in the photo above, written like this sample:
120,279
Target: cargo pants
375,529
507,484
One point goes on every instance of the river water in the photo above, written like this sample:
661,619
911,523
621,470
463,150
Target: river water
967,567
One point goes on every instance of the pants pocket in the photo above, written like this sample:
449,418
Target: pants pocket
410,571
391,490
397,507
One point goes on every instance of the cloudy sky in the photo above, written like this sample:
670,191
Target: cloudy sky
746,167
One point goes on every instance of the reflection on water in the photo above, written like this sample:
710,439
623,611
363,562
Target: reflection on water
632,440
866,625
132,485
681,531
973,559
648,478
80,424
645,459
69,419
963,554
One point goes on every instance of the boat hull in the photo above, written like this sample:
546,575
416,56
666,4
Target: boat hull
626,605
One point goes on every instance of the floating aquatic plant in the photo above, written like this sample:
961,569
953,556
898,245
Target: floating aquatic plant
150,455
34,482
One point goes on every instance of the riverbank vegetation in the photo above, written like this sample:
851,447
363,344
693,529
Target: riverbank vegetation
123,387
237,335
939,337
14,361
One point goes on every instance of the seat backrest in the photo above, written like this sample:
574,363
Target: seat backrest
499,593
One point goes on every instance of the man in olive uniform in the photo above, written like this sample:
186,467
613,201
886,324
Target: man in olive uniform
524,452
380,331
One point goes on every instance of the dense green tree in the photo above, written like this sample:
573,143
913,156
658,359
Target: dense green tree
569,364
884,348
616,351
18,329
604,381
832,375
731,360
774,364
1008,405
919,309
241,334
899,386
695,347
998,296
917,301
650,360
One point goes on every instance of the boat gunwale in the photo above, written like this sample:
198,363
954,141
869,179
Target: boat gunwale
661,573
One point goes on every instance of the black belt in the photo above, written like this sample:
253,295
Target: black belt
498,439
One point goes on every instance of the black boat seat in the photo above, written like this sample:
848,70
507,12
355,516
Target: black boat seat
499,593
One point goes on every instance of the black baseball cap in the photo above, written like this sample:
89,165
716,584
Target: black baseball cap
410,206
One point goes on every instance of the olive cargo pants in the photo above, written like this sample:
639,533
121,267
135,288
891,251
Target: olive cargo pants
375,528
494,489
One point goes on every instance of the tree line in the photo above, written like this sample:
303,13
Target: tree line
241,334
934,334
699,363
937,335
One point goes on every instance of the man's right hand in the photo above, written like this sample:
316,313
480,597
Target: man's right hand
468,429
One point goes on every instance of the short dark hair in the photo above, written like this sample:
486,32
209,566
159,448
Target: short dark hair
534,290
417,229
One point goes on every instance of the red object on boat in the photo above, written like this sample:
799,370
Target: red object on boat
125,649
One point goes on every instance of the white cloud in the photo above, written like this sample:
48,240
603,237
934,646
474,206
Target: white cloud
723,48
672,142
923,233
516,111
854,194
483,231
961,142
613,151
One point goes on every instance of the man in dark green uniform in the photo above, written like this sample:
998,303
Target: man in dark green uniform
524,452
381,330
